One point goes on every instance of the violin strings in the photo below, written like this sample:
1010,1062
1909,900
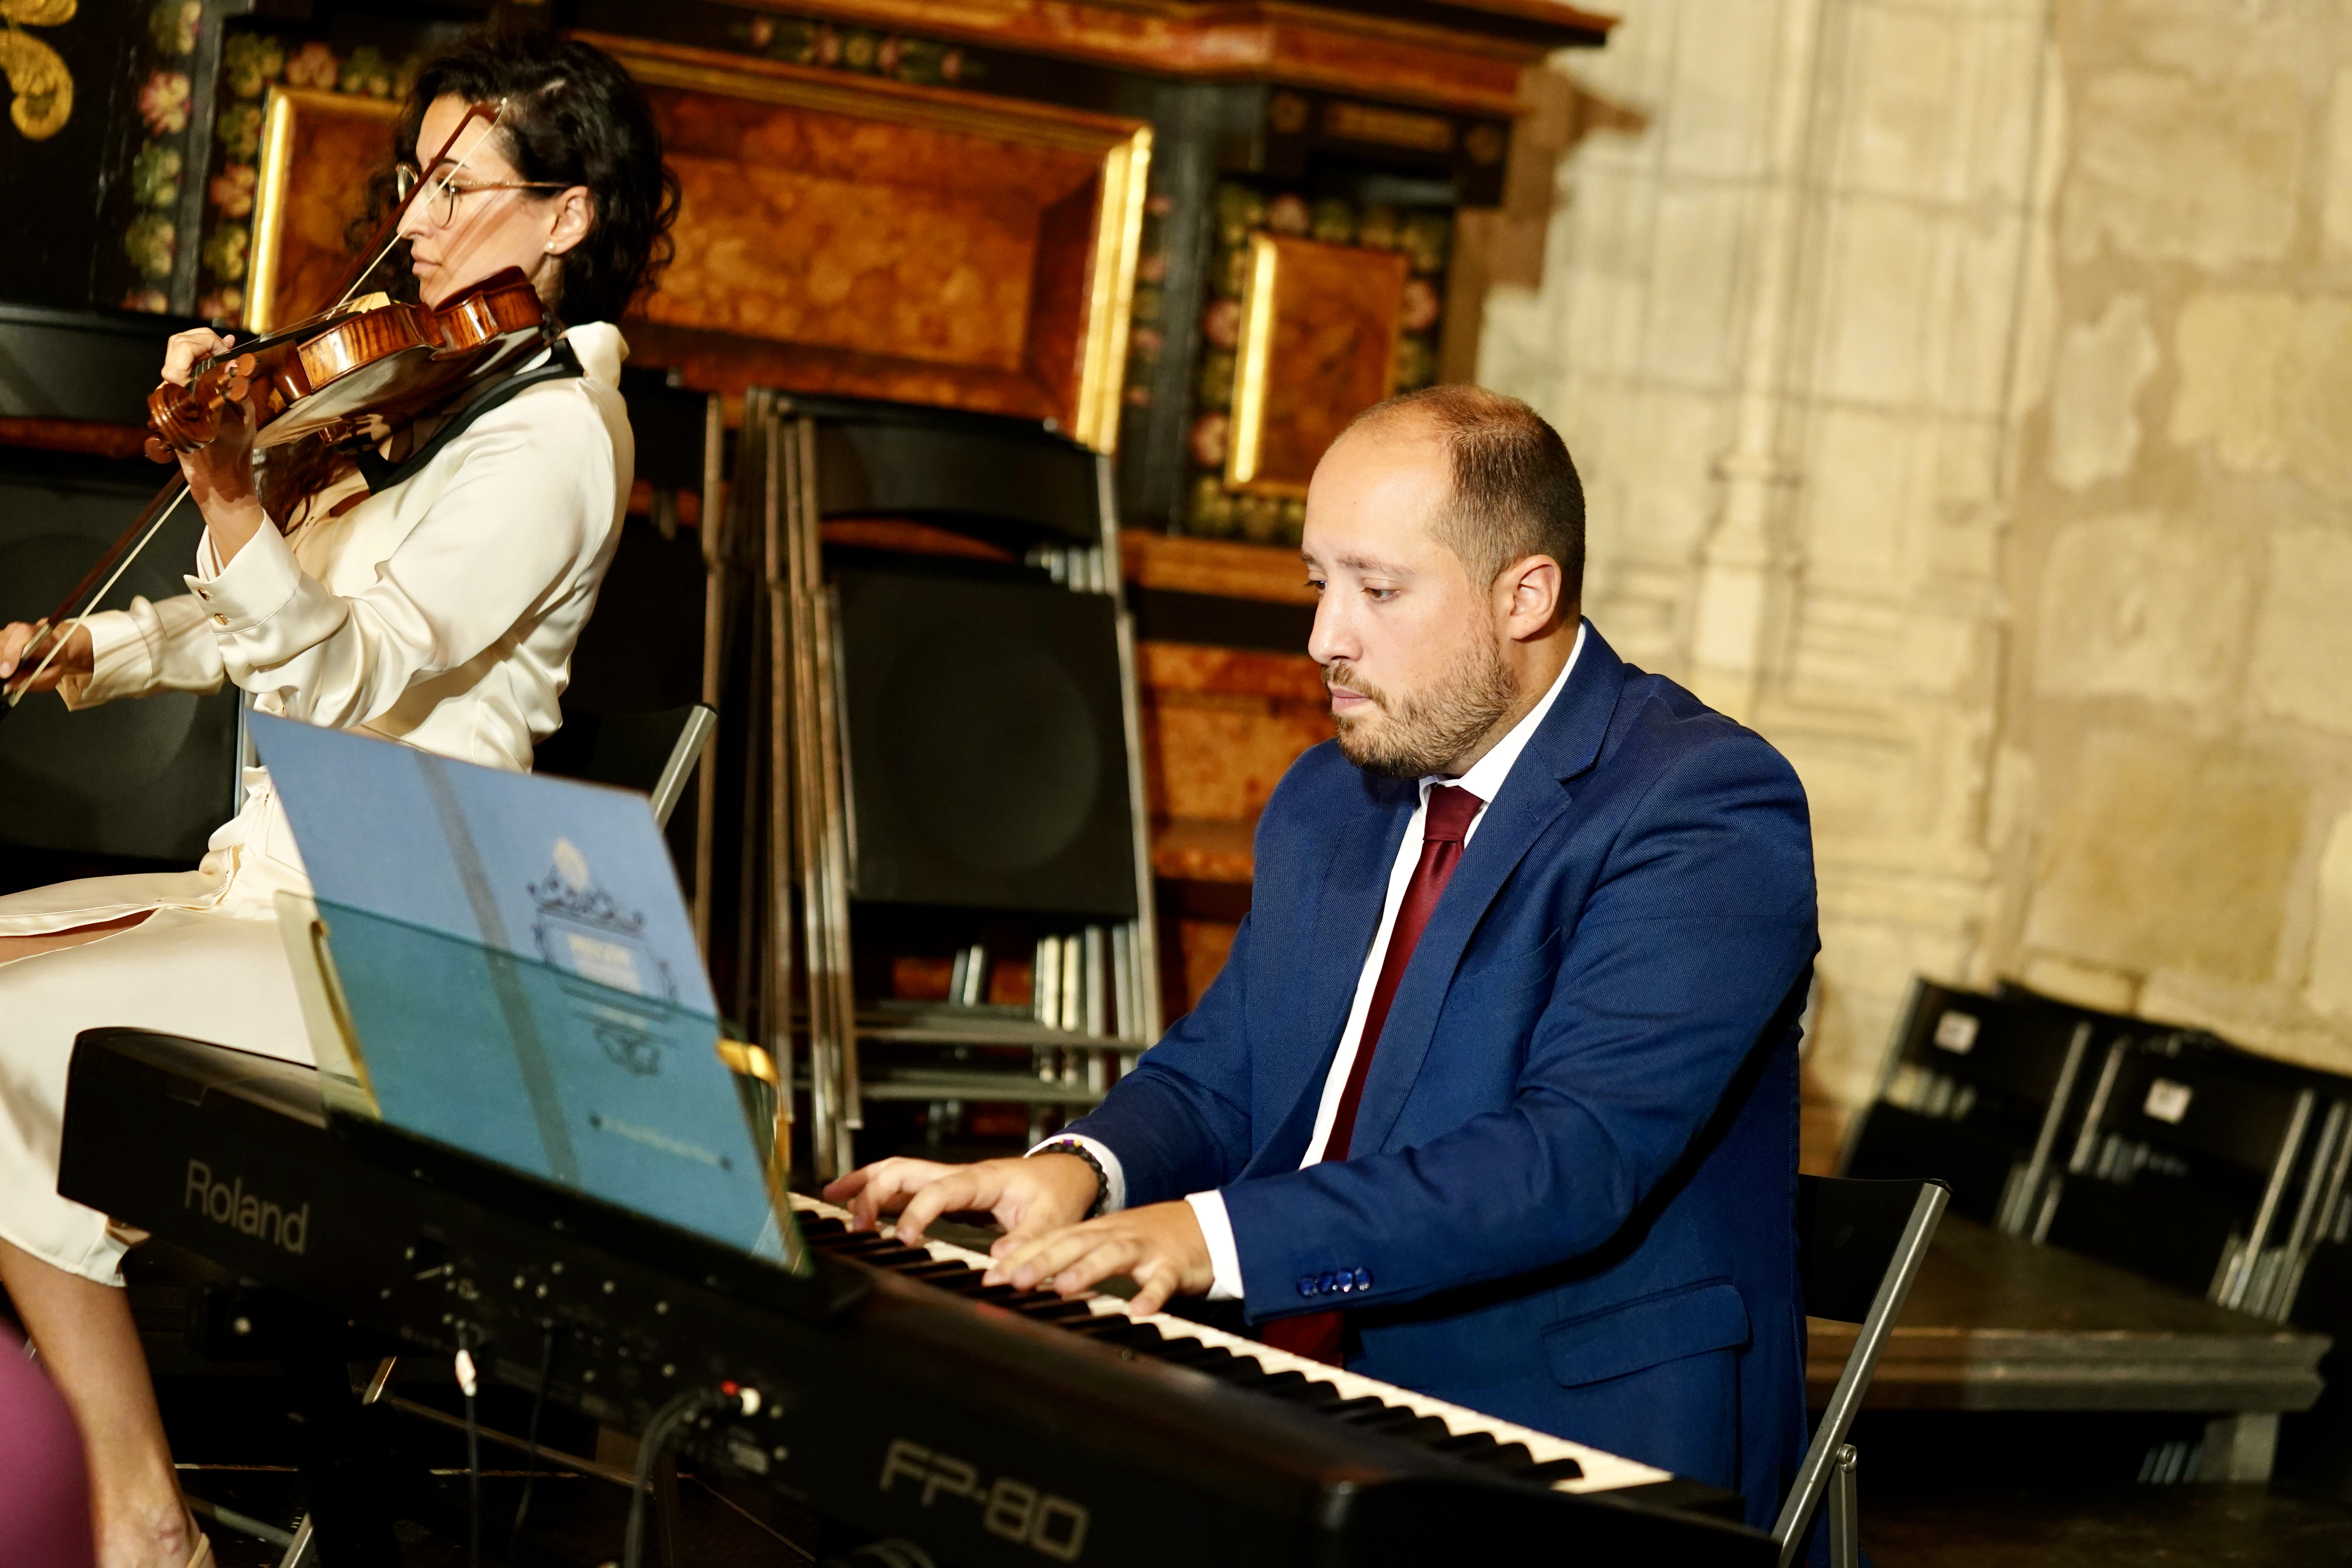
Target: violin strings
58,637
445,181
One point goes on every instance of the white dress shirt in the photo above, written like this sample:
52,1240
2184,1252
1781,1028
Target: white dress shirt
1484,779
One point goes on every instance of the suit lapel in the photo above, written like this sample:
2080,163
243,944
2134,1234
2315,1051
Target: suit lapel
1532,798
1347,915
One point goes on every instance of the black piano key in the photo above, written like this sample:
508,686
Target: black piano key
1000,1295
947,1276
1509,1456
1463,1445
1373,1413
1217,1361
1117,1329
1320,1397
1053,1309
1281,1383
1105,1327
1399,1422
879,1249
815,1227
1552,1470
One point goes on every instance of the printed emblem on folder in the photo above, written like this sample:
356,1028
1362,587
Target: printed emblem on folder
582,930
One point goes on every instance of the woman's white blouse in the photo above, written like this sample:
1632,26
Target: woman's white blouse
441,612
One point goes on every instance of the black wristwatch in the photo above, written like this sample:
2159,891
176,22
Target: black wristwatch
1072,1146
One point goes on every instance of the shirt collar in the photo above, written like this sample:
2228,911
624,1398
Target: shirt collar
1486,776
600,349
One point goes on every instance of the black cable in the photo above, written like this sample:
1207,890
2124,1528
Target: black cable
680,1409
473,1477
531,1444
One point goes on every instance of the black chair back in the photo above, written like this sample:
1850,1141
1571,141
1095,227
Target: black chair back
652,753
1011,481
2190,1166
1977,1093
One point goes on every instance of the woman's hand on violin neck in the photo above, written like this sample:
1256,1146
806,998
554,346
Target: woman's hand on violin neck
74,659
220,472
185,349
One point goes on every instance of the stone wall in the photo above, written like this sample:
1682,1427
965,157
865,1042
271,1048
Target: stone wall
1965,394
2176,755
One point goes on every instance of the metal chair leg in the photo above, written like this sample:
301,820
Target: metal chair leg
382,1379
1845,1524
298,1552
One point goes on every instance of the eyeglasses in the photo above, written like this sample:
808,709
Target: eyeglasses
441,201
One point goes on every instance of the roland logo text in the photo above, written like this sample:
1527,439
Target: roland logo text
228,1204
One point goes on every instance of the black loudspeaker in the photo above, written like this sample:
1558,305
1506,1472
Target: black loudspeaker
95,367
987,762
148,779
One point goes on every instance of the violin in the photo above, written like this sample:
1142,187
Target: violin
357,371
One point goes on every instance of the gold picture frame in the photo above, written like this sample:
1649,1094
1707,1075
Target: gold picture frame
1318,346
296,239
1119,149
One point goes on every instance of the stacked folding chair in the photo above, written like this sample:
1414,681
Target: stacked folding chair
1977,1092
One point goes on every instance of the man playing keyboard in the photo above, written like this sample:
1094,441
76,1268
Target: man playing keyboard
1496,1097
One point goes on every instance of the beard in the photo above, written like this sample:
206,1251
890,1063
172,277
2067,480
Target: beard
1418,733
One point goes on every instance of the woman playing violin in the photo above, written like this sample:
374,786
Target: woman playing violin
440,611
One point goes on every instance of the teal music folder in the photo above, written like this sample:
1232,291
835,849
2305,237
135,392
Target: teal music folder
520,980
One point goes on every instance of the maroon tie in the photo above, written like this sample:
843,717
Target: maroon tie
1450,811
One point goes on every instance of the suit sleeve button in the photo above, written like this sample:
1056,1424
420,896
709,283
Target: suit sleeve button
1363,1278
1323,1285
1306,1284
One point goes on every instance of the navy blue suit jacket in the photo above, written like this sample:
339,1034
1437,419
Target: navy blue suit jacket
1570,1201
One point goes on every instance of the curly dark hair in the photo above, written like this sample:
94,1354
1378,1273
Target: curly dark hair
573,117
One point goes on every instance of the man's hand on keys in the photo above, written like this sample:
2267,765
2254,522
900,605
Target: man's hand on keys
1027,1197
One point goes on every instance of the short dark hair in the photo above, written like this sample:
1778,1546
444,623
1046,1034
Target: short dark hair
1516,493
573,117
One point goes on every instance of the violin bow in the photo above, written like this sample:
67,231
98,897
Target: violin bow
496,114
54,630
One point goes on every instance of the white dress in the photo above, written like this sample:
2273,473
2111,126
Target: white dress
441,612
